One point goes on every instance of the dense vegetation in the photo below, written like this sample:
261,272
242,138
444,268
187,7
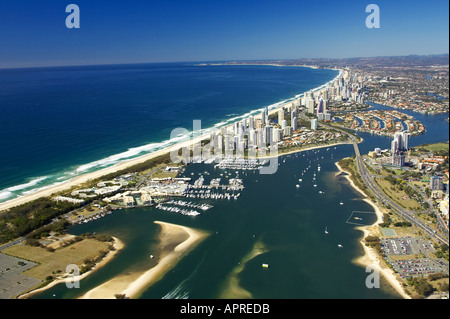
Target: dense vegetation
374,242
442,252
348,165
39,217
24,219
421,286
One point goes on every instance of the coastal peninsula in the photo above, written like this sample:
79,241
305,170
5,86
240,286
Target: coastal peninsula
175,242
302,123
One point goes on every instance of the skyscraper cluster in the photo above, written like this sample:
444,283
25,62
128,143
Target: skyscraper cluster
254,133
400,142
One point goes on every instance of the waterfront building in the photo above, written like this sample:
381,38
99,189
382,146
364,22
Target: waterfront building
394,146
259,135
275,136
258,123
280,133
236,128
227,142
244,124
252,137
213,139
268,132
288,131
405,141
310,106
294,124
293,116
219,142
398,159
402,141
237,142
251,122
320,107
280,116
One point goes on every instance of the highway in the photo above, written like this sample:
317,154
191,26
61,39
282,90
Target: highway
406,215
15,242
380,195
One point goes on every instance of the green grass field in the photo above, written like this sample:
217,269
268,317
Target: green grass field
436,147
51,262
398,196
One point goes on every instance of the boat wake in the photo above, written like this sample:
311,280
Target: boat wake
179,292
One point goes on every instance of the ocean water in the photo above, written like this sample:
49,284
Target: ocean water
304,262
57,123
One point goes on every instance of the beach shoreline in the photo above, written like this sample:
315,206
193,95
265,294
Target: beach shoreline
130,286
370,257
315,67
78,180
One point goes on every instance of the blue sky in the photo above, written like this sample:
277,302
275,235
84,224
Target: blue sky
33,33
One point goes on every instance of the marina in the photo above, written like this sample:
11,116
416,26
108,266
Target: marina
186,212
241,224
238,225
215,190
241,164
189,204
96,216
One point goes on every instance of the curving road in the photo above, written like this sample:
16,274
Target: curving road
379,194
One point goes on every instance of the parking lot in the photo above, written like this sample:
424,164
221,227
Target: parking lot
419,267
406,246
397,251
12,281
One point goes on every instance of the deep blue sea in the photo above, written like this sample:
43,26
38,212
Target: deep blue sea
60,122
56,123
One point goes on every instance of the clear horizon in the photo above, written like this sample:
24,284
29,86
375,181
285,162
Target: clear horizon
118,32
211,61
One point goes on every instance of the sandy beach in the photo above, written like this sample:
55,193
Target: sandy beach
131,285
370,257
118,245
94,175
128,163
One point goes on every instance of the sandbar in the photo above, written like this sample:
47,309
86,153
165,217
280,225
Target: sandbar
179,239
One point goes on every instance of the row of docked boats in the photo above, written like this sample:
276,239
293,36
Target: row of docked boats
210,195
189,204
83,220
182,211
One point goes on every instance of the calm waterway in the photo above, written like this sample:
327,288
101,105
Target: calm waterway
304,261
